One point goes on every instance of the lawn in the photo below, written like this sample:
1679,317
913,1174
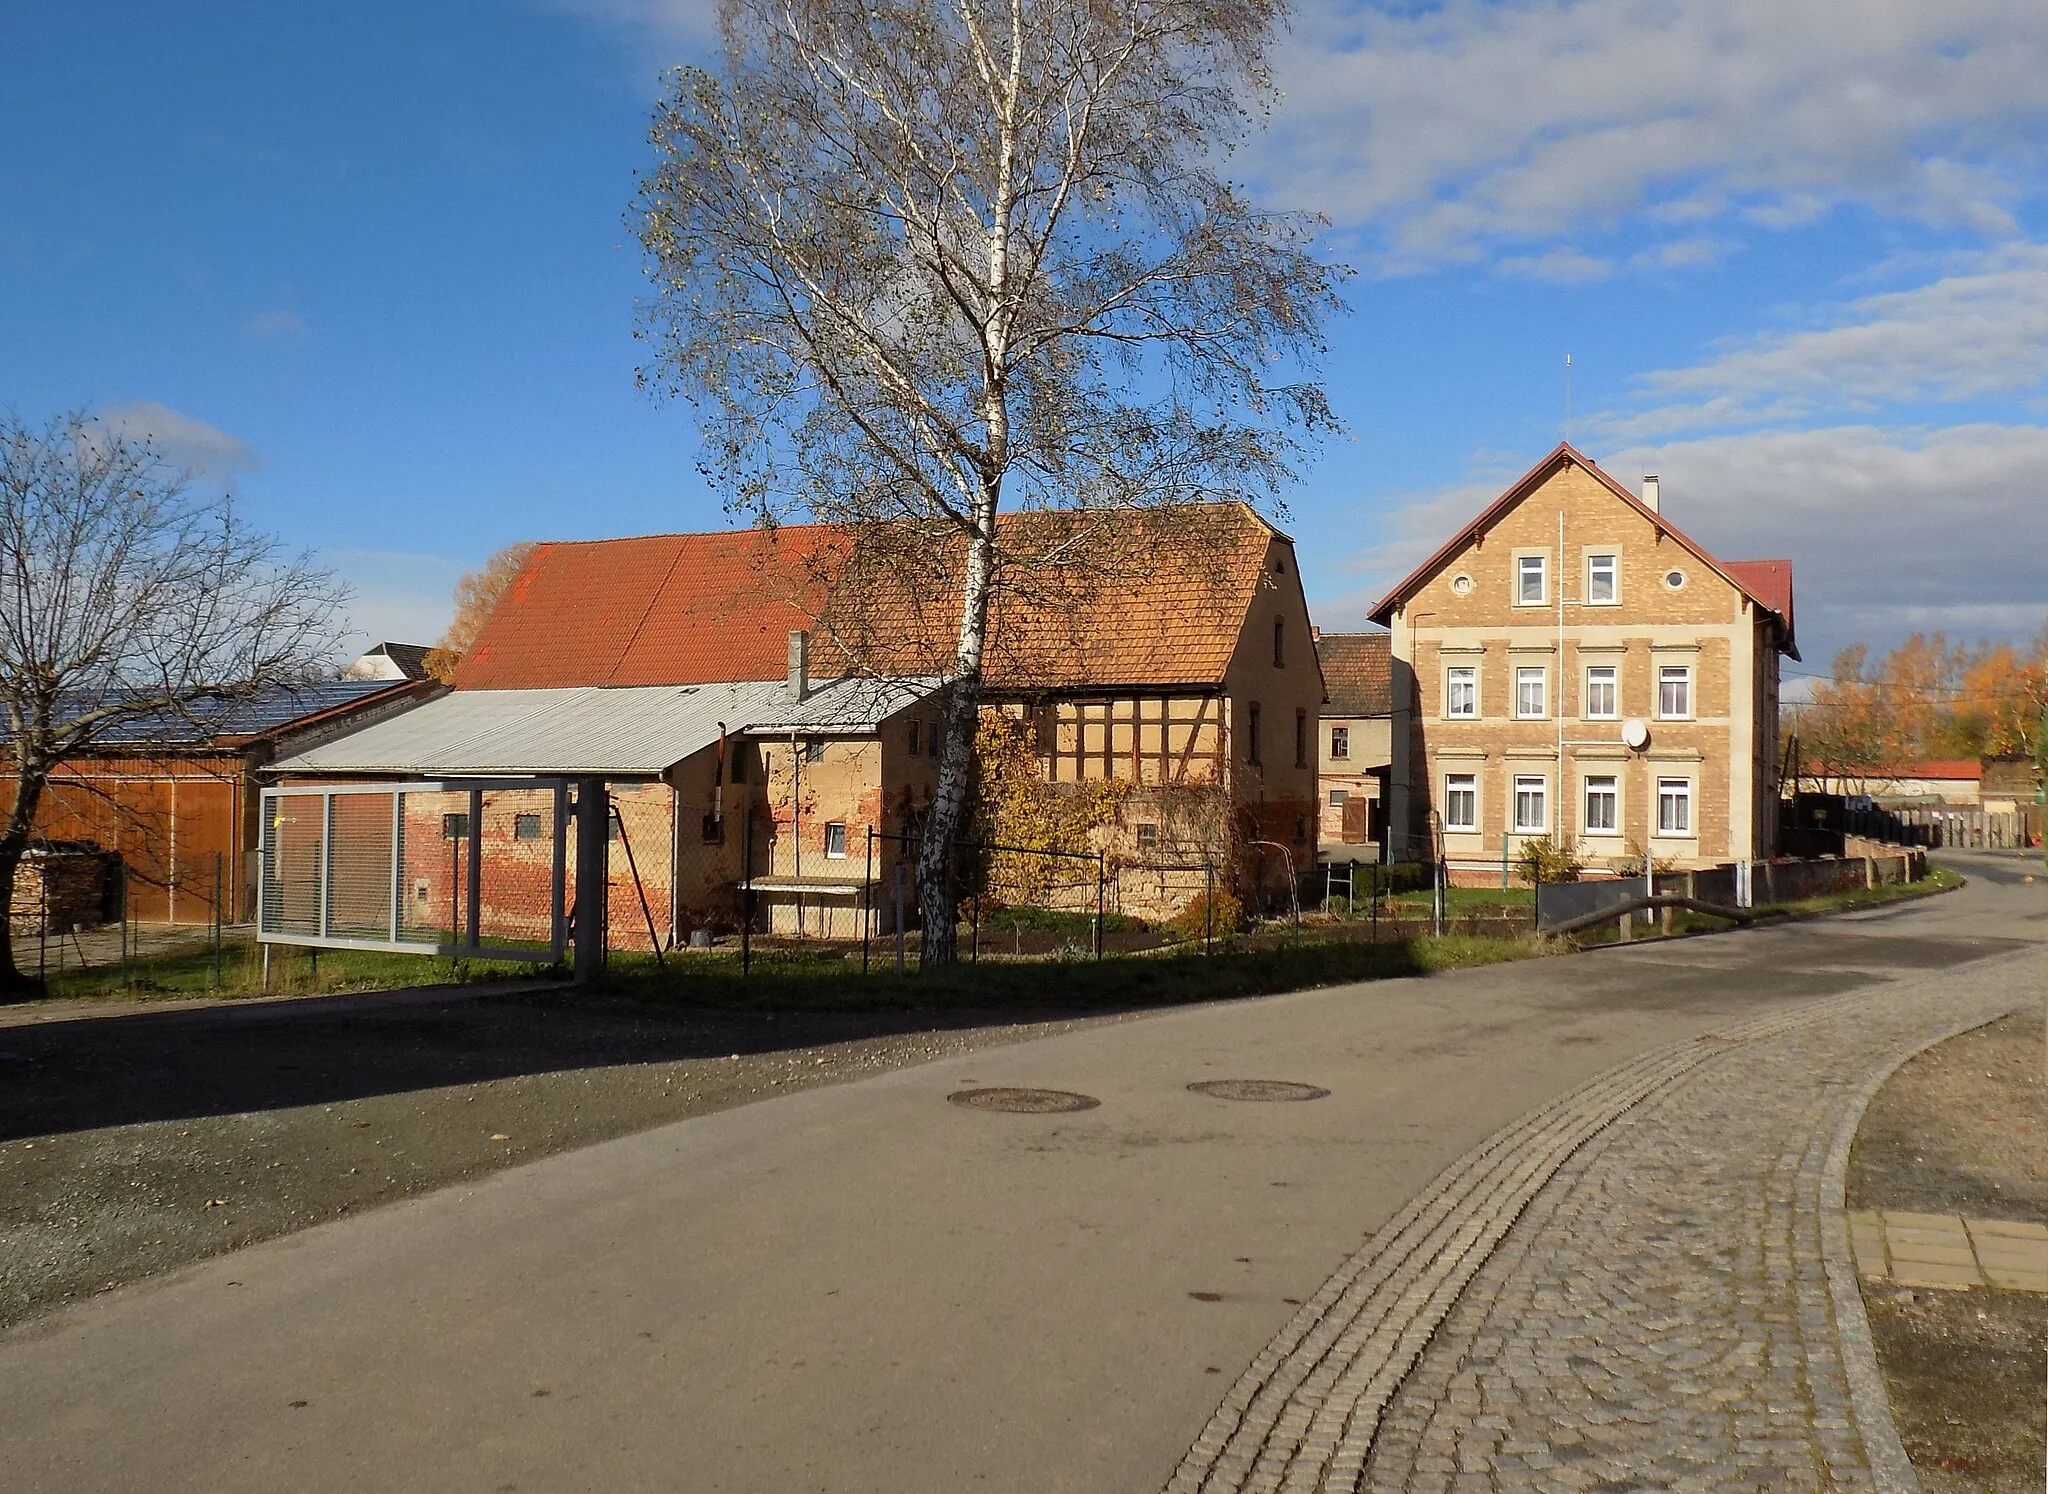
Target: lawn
191,972
828,977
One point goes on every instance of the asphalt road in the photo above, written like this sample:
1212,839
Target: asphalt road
867,1288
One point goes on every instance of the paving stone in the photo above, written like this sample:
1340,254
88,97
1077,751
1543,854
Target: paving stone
1625,1289
2012,1228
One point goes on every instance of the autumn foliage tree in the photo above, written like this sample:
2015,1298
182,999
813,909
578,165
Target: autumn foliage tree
1927,698
476,594
919,263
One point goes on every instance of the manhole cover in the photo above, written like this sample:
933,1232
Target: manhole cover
1257,1089
1024,1101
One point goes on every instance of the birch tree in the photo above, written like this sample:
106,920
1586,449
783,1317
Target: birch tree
125,602
919,263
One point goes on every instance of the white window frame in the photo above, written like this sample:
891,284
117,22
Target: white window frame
1467,785
1451,674
1339,798
1613,560
1677,791
1538,785
840,826
1525,676
1613,684
1612,793
1682,676
1541,564
1340,744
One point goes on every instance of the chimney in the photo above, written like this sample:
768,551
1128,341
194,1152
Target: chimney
799,664
1652,498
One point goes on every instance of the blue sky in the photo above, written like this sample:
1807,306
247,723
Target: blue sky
367,264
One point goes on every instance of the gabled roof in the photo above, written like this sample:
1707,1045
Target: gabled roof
409,659
1358,673
1565,454
1158,599
1769,582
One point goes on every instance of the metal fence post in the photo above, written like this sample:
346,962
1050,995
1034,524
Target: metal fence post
899,914
397,857
476,869
326,861
747,893
1209,907
216,920
43,931
1101,886
867,902
122,884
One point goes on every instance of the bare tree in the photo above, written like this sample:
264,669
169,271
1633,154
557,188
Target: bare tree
476,594
127,603
921,261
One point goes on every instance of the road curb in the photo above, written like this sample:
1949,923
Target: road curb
1307,1413
1890,1469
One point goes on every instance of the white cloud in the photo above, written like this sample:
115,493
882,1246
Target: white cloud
658,28
267,324
398,597
1561,266
1890,532
200,450
1979,330
1443,130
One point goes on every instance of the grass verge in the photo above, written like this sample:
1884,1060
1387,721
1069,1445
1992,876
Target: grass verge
189,972
831,981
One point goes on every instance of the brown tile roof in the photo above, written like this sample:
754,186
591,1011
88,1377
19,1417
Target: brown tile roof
1156,601
1358,673
1567,454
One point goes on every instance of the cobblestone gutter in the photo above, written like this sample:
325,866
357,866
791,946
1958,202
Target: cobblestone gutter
1644,1284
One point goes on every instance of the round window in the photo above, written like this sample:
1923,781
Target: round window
1462,585
1674,579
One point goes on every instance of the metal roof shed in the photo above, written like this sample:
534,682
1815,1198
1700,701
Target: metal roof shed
635,732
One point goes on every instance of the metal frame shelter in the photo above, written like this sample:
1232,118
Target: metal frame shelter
277,924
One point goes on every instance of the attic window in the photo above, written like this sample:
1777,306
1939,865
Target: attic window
1279,565
916,733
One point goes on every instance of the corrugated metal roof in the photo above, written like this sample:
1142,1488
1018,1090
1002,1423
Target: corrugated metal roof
591,730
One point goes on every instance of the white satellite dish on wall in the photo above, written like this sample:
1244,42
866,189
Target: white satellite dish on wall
1635,733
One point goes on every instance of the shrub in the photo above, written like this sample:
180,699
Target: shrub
1547,860
1194,919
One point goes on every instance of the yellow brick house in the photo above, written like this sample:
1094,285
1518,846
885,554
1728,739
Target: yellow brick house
1572,665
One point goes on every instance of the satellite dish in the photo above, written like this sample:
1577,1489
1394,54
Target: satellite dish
1635,734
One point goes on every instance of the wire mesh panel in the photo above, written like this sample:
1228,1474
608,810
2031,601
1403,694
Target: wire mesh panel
294,845
473,868
359,867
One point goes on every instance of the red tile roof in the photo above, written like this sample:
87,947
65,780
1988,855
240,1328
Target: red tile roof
1965,770
1166,608
1768,582
1358,673
1567,454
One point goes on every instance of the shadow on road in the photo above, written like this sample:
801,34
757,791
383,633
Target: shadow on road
74,1074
